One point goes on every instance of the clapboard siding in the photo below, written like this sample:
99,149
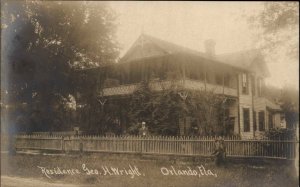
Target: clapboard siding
277,120
259,104
233,112
245,101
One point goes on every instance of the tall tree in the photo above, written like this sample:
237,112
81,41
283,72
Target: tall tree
279,26
43,42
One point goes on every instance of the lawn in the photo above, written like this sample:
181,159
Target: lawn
114,170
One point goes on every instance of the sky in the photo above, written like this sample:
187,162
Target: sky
189,24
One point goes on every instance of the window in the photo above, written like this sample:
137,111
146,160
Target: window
226,80
254,120
201,75
244,83
219,79
246,115
259,85
271,121
207,76
196,74
261,119
253,85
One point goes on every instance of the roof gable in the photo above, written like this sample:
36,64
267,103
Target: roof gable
260,68
147,46
142,48
252,60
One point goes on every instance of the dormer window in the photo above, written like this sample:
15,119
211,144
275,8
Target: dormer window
245,83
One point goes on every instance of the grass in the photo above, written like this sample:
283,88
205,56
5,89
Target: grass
233,175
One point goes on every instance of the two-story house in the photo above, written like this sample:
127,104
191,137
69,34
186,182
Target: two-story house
238,76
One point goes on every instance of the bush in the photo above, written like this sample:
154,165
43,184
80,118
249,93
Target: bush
280,134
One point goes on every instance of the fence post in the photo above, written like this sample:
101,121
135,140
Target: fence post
296,142
142,143
63,144
80,145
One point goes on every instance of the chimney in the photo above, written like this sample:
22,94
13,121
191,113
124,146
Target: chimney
209,46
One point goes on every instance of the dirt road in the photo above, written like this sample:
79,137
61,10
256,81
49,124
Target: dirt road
7,181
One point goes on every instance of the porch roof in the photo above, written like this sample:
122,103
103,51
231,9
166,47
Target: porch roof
272,106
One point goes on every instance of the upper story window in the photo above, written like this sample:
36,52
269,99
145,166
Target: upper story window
219,79
253,85
259,86
207,75
245,83
227,80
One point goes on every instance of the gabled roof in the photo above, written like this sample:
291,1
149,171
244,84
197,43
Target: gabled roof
161,47
248,59
241,58
147,46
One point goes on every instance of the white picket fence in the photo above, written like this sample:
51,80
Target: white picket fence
186,146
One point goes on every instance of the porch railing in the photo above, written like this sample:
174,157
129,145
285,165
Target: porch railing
160,85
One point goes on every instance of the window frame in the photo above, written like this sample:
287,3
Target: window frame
270,121
246,123
254,120
253,85
261,126
219,79
227,78
245,84
259,86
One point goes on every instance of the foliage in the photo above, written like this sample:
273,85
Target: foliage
288,98
162,111
43,42
100,119
140,107
279,22
290,105
208,109
280,134
168,107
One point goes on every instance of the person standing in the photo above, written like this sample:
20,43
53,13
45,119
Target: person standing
143,131
219,152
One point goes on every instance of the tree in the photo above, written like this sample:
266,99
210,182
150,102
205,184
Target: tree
140,107
279,26
163,110
289,99
43,42
208,109
279,23
168,109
